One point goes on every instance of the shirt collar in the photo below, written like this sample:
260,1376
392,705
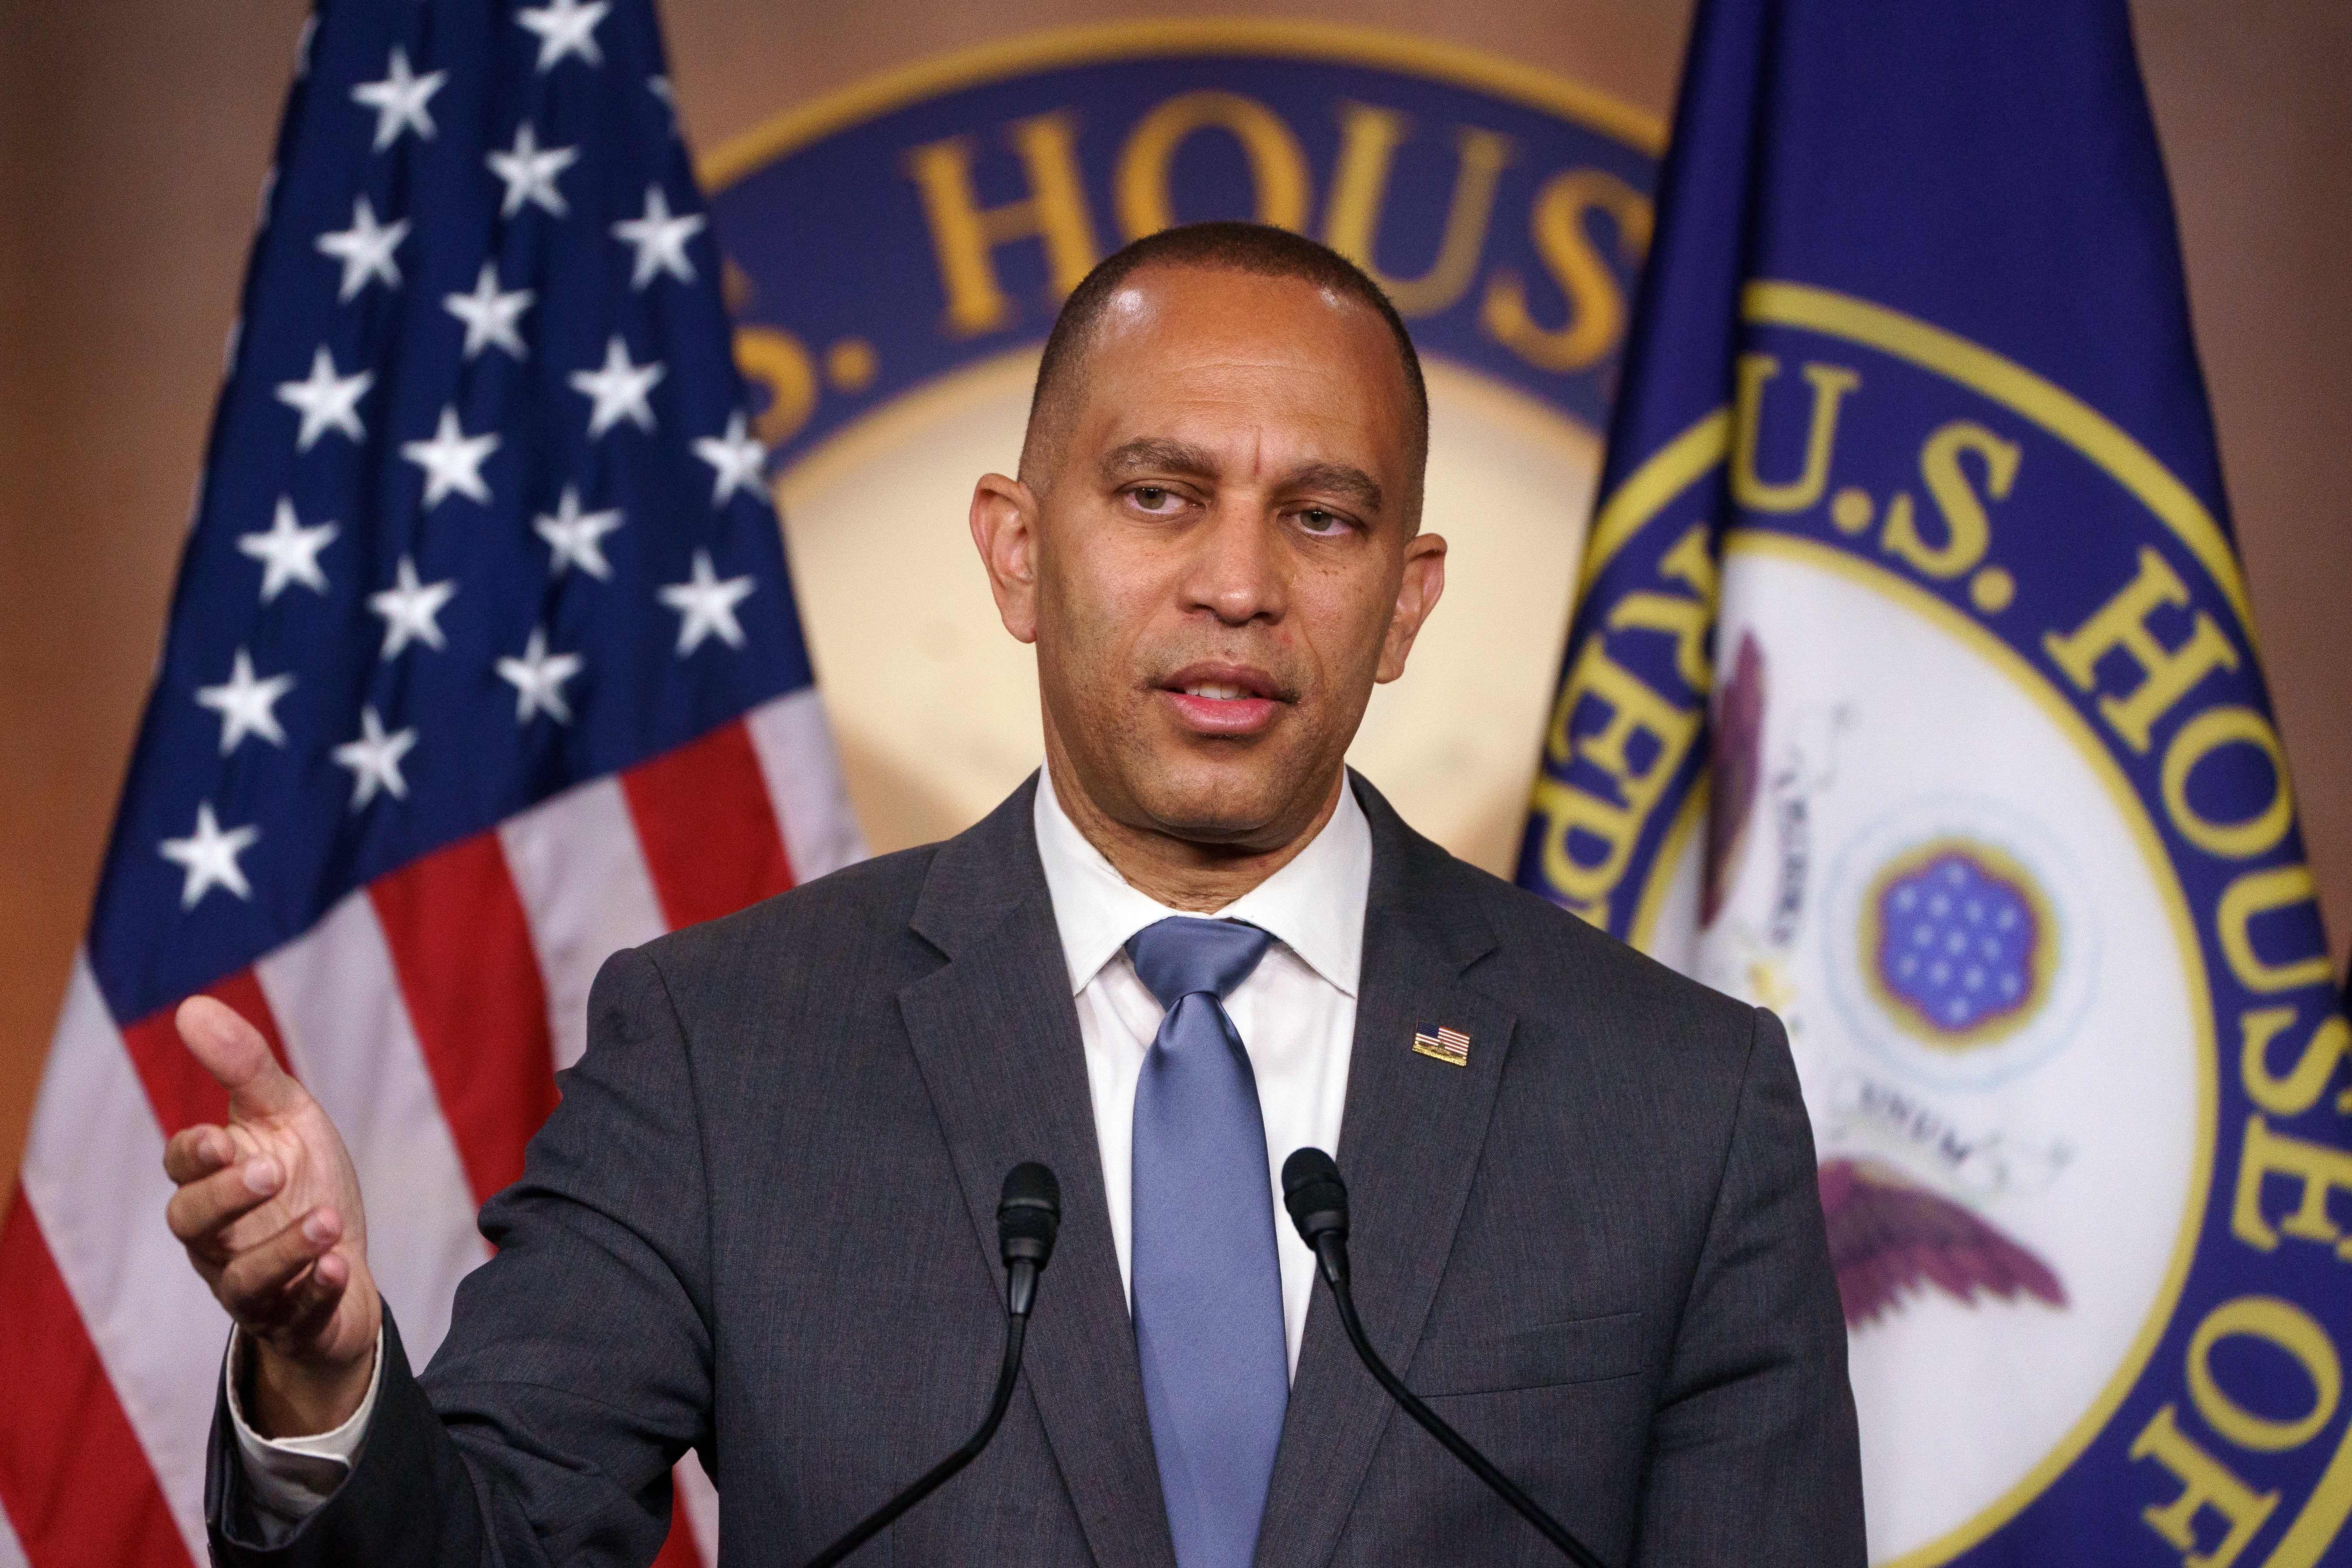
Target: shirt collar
1313,905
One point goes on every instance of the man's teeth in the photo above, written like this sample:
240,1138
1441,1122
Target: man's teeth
1221,693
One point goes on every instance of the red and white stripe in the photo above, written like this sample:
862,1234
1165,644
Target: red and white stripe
428,1012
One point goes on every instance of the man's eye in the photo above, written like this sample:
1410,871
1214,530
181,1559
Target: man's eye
1315,519
1151,498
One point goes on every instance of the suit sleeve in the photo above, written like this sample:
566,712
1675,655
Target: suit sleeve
1754,1456
577,1366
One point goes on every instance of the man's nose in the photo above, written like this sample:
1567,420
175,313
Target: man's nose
1236,570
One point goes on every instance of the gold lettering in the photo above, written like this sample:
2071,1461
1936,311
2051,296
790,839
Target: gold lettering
1635,710
2121,625
2258,893
779,362
1685,619
2208,733
1967,532
1596,304
1692,563
965,235
2205,1483
2300,1090
1277,166
1565,809
1369,138
2292,1329
1830,384
2321,1168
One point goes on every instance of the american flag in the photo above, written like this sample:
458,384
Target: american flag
482,663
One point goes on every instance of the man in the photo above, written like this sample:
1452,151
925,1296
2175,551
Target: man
760,1223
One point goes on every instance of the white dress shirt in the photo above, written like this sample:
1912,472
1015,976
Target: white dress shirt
1296,1014
291,1477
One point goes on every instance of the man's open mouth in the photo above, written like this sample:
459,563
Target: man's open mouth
1223,700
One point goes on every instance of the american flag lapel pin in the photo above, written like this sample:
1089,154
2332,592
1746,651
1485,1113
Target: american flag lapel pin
1451,1046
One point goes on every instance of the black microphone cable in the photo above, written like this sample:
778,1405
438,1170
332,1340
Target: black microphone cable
1027,1216
1317,1201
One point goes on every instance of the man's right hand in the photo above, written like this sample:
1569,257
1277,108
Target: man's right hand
268,1208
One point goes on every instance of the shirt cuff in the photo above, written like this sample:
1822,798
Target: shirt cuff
291,1477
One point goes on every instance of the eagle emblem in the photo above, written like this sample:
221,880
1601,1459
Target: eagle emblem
1890,1237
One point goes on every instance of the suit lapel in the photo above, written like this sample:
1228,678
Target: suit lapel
1410,1142
996,1034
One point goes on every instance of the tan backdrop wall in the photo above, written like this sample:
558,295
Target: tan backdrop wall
133,135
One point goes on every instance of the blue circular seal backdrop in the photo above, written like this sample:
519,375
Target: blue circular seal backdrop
2143,1232
904,229
895,256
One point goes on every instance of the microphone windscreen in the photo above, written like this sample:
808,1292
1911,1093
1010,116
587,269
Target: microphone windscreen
1029,1213
1314,1194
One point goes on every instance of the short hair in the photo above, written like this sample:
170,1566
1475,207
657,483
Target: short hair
1258,248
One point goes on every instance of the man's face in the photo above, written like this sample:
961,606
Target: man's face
1217,560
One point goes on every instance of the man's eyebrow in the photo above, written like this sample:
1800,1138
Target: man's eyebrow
1342,481
1157,455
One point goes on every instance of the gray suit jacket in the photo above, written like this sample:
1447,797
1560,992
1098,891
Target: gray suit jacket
761,1224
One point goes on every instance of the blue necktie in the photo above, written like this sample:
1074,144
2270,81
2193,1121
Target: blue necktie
1207,1289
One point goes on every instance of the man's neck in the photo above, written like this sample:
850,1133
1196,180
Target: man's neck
1177,872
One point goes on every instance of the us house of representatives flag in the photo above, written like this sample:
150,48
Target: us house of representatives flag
1912,693
483,663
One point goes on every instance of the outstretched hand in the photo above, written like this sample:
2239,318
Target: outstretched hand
268,1208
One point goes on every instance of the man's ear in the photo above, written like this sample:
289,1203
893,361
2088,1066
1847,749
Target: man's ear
1417,595
1004,527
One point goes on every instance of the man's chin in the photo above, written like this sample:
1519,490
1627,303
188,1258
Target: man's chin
1248,802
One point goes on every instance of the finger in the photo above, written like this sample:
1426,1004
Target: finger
201,1209
234,1052
253,1286
196,1152
309,1302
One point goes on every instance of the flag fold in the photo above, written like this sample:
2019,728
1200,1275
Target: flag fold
1912,692
483,662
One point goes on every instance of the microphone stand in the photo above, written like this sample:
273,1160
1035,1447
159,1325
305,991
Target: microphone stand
1027,1217
1017,1328
1317,1201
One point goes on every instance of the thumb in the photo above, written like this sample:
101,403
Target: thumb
234,1052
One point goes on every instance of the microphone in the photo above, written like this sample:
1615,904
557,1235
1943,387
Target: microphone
1317,1201
1027,1216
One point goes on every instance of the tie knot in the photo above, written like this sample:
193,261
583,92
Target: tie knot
1180,955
